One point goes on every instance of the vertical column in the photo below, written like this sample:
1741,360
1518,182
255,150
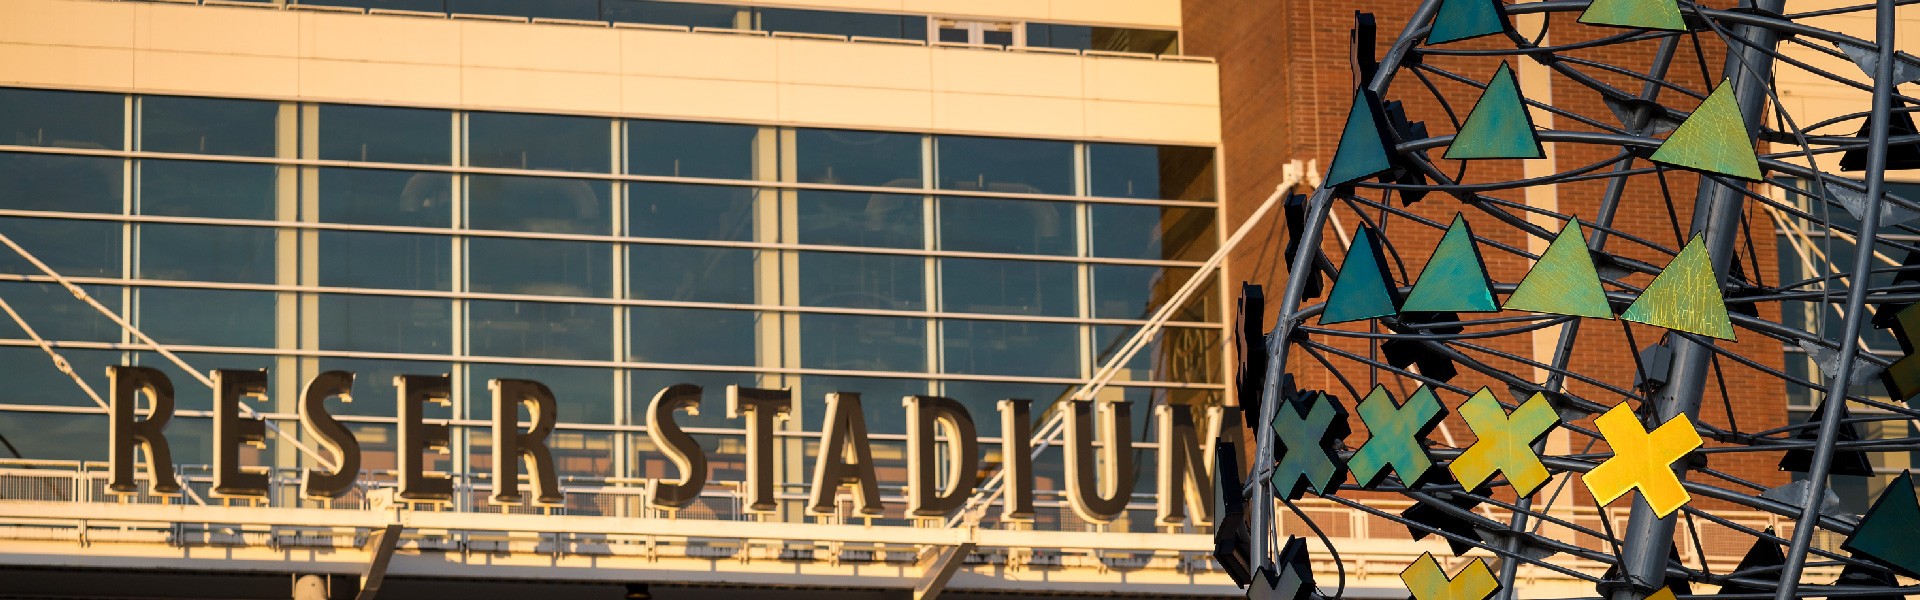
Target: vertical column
776,285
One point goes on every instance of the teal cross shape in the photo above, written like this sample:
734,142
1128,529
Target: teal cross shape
1306,427
1395,435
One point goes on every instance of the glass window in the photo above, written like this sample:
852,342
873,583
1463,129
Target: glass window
1136,292
680,149
541,204
71,248
863,343
386,324
647,383
860,219
540,267
584,10
905,27
397,198
180,188
383,134
439,6
32,379
208,125
1009,226
55,436
1184,354
694,336
880,402
1008,348
374,394
1150,172
692,212
847,157
863,280
1009,287
61,183
982,398
546,142
582,395
205,253
540,330
1152,232
402,261
672,13
1108,39
61,119
1005,165
188,392
56,315
203,317
691,273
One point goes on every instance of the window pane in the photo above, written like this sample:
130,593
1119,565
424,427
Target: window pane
861,219
1010,226
61,119
671,13
55,436
542,204
201,317
904,27
56,315
1005,165
983,397
179,188
880,401
1153,232
71,248
382,134
61,183
694,336
846,157
540,330
691,273
546,142
1072,37
1009,287
374,394
417,5
1182,354
540,267
648,383
188,392
863,281
680,149
398,198
208,125
1135,292
32,379
386,324
863,343
693,212
585,10
582,395
206,253
1004,348
1150,172
385,260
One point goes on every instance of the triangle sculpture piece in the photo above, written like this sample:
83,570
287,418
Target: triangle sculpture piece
1363,289
1464,19
1713,139
1499,125
1885,533
1843,461
1685,296
1363,150
1563,281
1638,14
1455,279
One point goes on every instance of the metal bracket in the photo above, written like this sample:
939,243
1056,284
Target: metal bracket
381,544
945,560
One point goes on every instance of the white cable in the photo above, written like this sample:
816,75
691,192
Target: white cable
59,362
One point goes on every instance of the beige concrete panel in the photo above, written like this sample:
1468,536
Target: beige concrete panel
51,22
1133,80
379,38
698,98
1152,13
992,114
380,83
698,55
1144,122
856,107
54,66
821,62
539,91
219,29
216,74
995,72
550,47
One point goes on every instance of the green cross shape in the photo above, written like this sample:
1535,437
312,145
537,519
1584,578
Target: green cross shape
1306,428
1395,435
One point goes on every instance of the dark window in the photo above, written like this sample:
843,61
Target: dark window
694,335
581,395
1005,165
863,343
847,157
405,261
1009,226
682,14
399,198
862,280
691,149
71,248
540,267
860,219
386,324
1150,172
540,330
381,134
201,317
61,119
1137,291
180,188
691,273
1153,232
208,125
905,27
1009,287
545,142
61,183
694,212
205,253
1009,348
55,314
1106,39
373,383
539,204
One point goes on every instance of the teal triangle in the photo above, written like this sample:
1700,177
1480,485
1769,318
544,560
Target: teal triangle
1363,289
1886,532
1638,14
1363,145
1464,19
1564,281
1685,296
1455,279
1713,139
1499,126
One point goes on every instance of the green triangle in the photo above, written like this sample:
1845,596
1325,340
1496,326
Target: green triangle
1713,139
1364,289
1638,14
1685,296
1464,19
1363,145
1886,532
1499,126
1563,282
1455,279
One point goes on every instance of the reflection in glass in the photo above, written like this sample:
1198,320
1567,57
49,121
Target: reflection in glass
56,315
680,149
1009,226
694,212
691,273
373,391
672,13
1106,39
1137,291
647,383
1152,232
61,119
386,324
880,401
205,253
863,343
847,157
404,261
71,248
862,280
61,183
539,267
903,27
1009,287
694,335
583,395
1183,354
539,204
1004,165
384,134
203,317
32,379
1150,172
540,330
982,397
545,142
375,197
57,436
1009,348
203,189
208,125
860,219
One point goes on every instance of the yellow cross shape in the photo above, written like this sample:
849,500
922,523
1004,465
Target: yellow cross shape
1642,460
1428,582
